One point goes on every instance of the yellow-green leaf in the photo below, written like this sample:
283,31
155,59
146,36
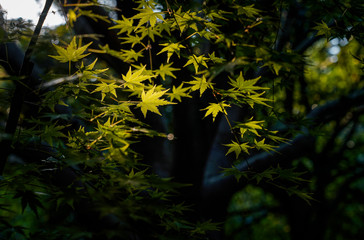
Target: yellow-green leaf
197,61
133,79
72,53
171,48
151,101
105,88
265,147
166,70
199,84
178,92
237,148
214,108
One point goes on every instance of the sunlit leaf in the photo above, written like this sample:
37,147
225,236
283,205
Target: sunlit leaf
151,100
72,53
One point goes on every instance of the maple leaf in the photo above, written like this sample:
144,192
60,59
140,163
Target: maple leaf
164,26
215,108
127,55
105,88
323,29
181,21
261,145
52,132
171,48
151,100
166,70
71,53
134,79
145,71
275,138
150,32
88,72
148,15
237,148
246,85
217,14
197,61
255,98
216,59
132,39
187,20
248,11
93,16
179,92
200,83
125,25
251,126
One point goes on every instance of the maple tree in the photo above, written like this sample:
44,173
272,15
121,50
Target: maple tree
149,123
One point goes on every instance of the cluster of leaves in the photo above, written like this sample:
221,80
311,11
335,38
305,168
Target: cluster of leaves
108,182
143,28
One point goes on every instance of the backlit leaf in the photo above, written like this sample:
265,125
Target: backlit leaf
151,101
237,148
72,53
214,108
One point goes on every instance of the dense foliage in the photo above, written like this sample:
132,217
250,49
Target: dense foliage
171,120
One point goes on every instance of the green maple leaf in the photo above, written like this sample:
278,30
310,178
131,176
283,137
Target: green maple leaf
145,71
127,55
125,25
248,11
216,59
166,70
151,101
197,61
261,145
150,32
186,20
179,92
89,72
275,138
181,20
256,99
323,29
237,148
133,79
132,39
72,53
251,126
214,108
93,16
148,15
199,84
105,88
52,132
164,26
171,48
217,14
246,85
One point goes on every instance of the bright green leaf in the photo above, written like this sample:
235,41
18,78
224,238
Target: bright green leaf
166,70
214,108
72,53
151,101
237,148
